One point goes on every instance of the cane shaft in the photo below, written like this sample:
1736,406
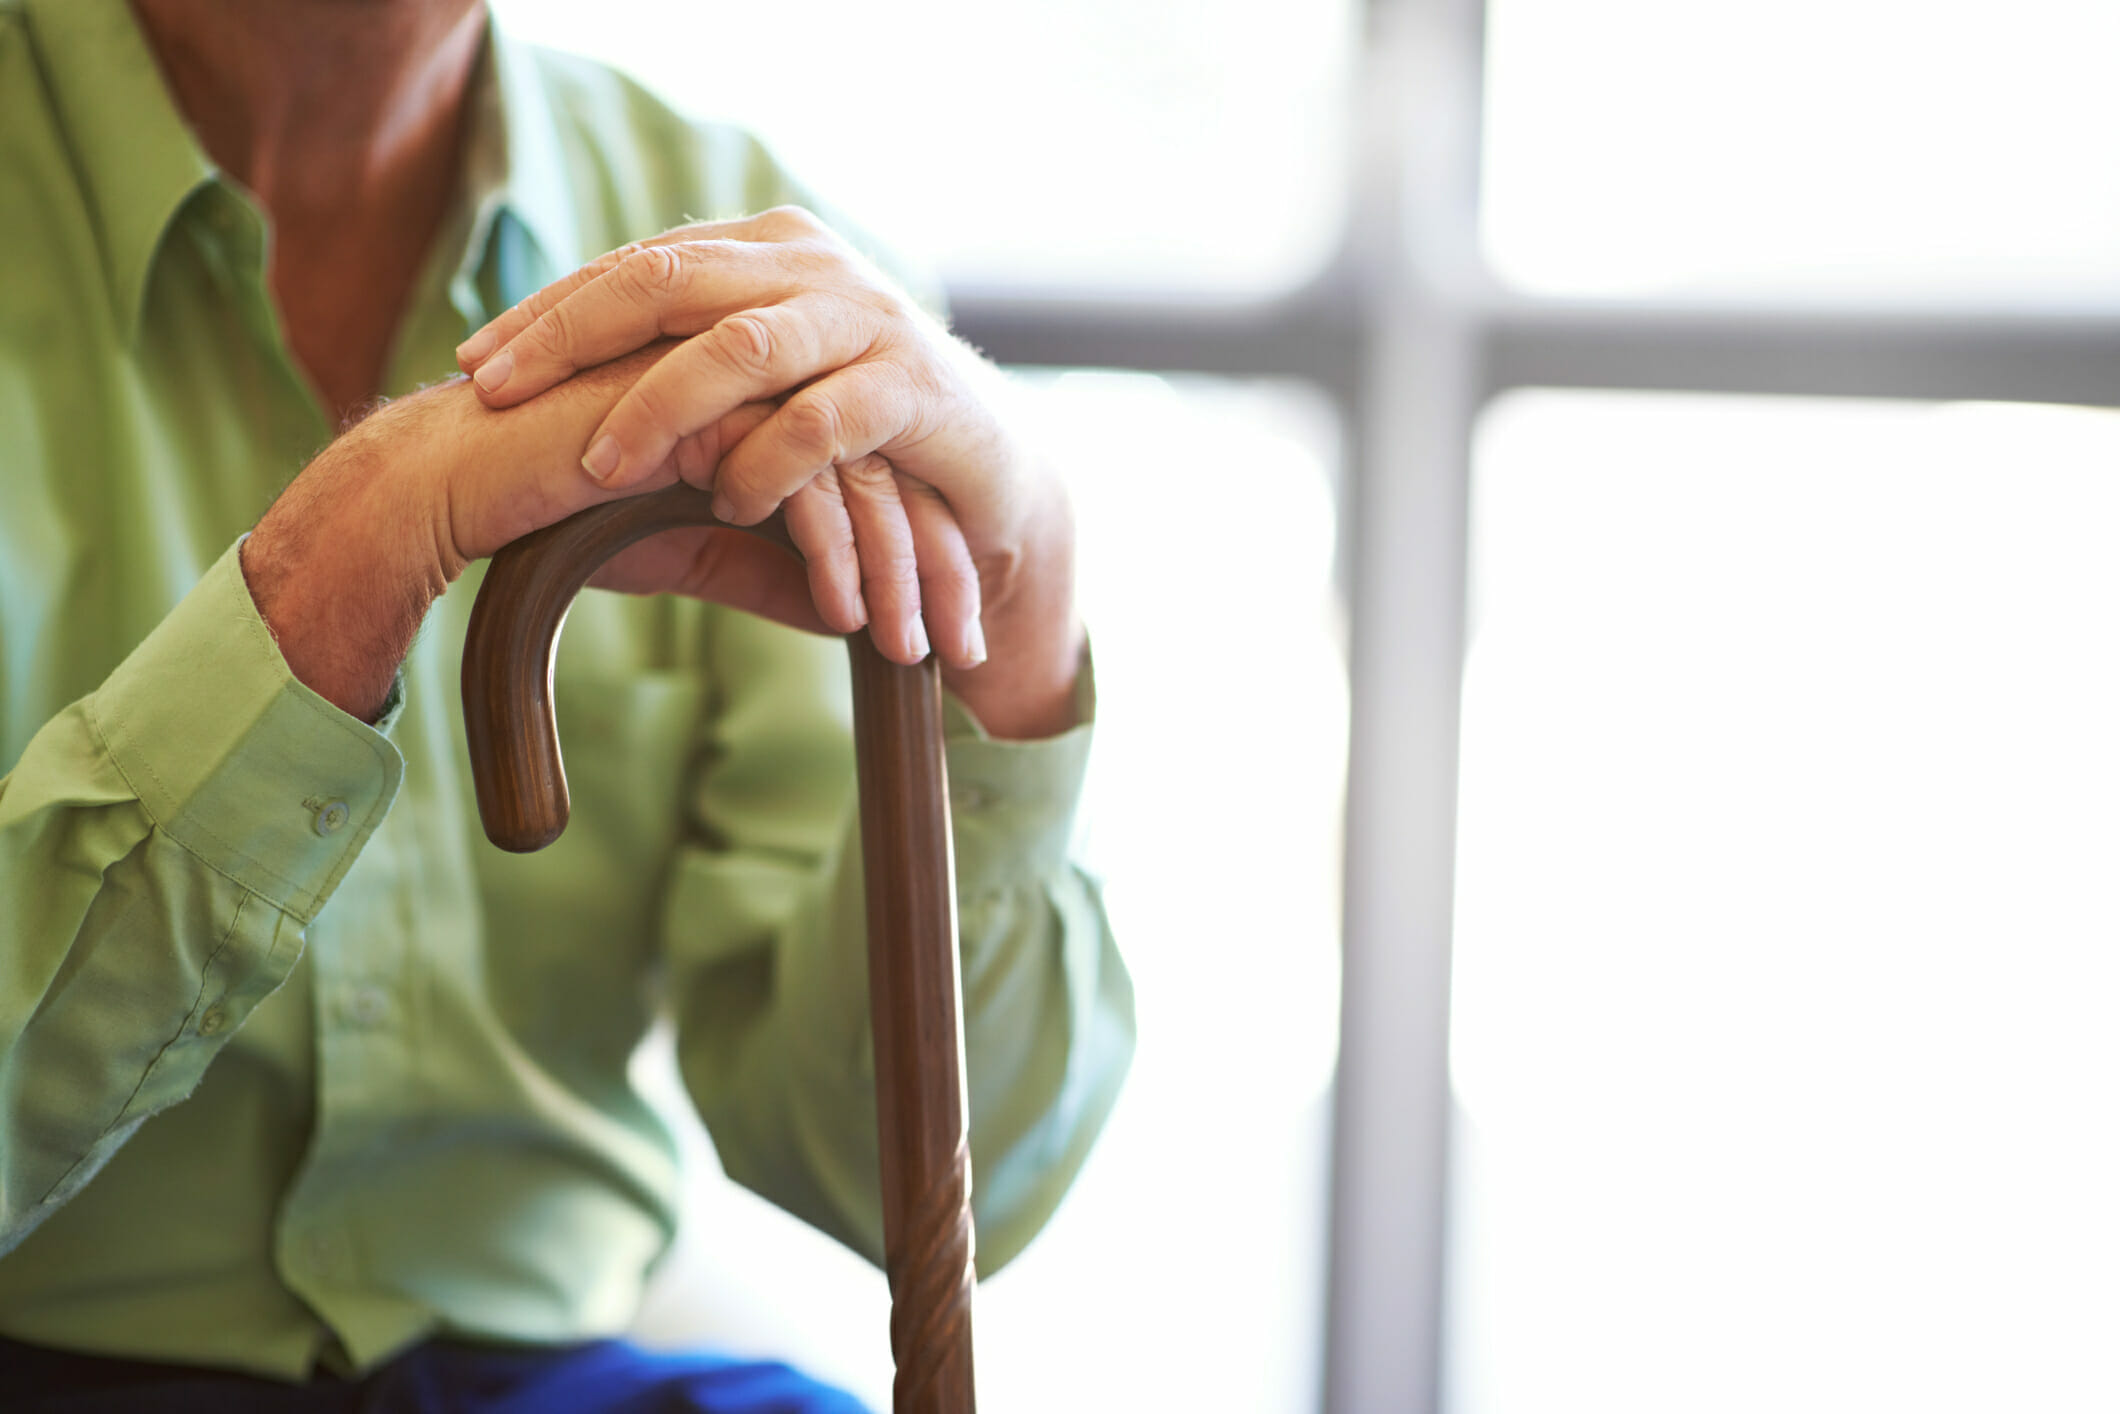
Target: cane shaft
911,903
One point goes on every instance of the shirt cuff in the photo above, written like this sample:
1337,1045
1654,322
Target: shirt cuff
1012,803
235,759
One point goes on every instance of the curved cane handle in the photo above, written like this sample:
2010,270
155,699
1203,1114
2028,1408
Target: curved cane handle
911,898
508,649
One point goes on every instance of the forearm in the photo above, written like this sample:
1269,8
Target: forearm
348,560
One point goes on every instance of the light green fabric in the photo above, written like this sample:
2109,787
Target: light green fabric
293,1066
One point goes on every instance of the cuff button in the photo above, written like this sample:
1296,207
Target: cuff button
331,818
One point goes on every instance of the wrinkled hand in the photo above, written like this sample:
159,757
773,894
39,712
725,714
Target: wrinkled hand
347,560
919,510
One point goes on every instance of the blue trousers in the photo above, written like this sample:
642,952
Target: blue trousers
604,1377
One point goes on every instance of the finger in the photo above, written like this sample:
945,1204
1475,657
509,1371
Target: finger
696,457
659,290
731,567
837,420
890,569
752,354
513,320
781,223
949,582
822,529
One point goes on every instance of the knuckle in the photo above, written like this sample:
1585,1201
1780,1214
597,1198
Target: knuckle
612,260
696,456
872,474
748,341
654,271
828,492
524,312
816,424
947,573
827,532
793,219
553,332
950,578
893,571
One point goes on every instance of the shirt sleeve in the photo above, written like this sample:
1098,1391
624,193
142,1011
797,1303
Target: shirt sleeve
163,843
766,931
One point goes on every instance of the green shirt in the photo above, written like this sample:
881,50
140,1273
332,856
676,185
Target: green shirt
293,1065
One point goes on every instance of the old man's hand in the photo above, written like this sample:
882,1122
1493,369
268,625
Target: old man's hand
922,512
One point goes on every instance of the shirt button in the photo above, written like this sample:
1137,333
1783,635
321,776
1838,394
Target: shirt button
332,817
214,1021
368,1007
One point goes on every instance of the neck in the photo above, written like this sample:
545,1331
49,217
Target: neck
343,118
318,104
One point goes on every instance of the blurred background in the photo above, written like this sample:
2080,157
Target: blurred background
1599,524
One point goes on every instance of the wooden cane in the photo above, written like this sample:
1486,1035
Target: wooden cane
912,921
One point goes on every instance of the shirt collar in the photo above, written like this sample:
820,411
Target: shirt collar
524,161
136,159
139,163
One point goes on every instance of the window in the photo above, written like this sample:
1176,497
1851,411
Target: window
1780,1030
1755,905
1189,147
1883,150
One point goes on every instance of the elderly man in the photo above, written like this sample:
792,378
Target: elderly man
308,1098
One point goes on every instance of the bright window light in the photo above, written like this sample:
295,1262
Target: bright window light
1183,146
1862,149
1785,962
1187,1268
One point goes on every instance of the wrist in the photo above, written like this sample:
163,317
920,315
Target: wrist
1026,696
343,568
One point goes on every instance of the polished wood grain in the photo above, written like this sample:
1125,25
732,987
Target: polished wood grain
911,899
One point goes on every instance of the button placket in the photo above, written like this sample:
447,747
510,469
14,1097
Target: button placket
366,1007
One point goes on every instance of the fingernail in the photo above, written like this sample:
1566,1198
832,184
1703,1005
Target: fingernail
975,644
722,506
490,376
920,639
476,347
603,458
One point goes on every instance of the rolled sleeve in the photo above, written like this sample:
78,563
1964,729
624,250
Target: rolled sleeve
1049,1017
1012,803
236,760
